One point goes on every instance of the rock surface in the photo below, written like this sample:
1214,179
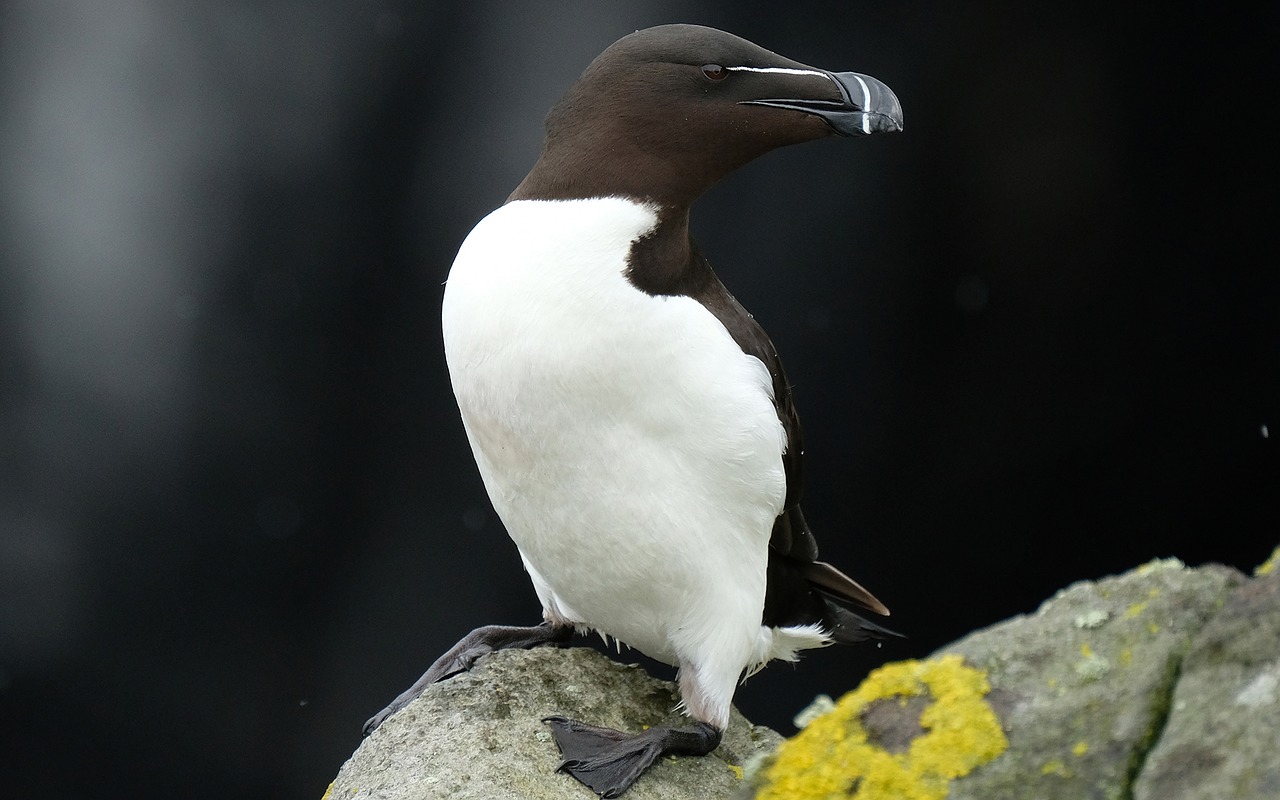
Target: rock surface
1159,684
1083,686
1162,683
1223,734
479,734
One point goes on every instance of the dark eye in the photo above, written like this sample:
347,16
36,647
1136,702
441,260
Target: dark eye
714,72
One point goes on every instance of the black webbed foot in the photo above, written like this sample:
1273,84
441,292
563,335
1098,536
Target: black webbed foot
463,655
608,761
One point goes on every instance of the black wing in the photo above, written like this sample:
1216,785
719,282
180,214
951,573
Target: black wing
800,590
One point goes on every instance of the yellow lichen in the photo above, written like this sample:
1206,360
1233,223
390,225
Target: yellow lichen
1269,566
1056,767
737,771
327,792
1080,749
833,757
1126,657
1134,610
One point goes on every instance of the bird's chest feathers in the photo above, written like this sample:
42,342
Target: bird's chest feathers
538,311
554,354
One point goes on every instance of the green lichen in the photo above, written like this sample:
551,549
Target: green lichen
1095,618
820,705
1091,666
1159,565
833,756
1159,706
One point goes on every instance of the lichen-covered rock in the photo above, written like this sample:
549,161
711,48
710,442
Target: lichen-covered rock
1082,690
1223,734
1083,686
1160,684
907,732
480,735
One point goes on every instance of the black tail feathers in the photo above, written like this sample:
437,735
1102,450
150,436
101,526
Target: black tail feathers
850,627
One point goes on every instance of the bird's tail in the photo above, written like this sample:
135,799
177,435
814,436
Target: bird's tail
850,627
847,602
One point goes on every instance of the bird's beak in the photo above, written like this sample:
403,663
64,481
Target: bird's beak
872,107
866,106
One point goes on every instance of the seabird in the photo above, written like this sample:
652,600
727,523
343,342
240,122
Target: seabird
631,421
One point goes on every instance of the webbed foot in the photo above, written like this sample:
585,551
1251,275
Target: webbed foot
608,761
463,655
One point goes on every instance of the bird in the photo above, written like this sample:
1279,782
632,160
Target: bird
631,421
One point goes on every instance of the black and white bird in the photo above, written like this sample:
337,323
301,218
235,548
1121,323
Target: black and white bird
631,421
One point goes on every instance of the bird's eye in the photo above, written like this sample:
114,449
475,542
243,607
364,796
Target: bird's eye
714,72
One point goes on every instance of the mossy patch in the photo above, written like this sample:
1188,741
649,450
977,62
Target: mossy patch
835,757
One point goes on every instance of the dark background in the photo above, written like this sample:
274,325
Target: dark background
1034,339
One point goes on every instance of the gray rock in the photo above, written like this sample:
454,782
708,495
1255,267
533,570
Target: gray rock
1159,684
480,735
1083,703
1222,739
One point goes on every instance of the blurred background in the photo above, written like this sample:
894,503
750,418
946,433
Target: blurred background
1033,339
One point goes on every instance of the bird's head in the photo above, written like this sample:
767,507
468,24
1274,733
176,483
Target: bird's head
666,112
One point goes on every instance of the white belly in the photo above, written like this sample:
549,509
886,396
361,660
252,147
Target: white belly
630,447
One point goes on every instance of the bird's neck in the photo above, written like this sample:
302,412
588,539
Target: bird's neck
667,261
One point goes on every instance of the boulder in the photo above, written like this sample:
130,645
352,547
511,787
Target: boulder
1222,738
1159,684
479,734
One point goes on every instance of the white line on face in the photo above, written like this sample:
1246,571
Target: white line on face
782,70
792,71
866,90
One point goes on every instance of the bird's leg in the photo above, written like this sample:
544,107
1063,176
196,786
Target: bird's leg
608,761
464,654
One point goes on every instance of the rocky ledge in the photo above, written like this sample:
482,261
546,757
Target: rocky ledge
1160,683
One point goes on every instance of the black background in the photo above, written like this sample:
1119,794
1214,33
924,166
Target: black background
1033,340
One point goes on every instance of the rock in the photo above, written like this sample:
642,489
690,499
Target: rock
1159,684
480,735
1162,683
1223,734
1083,705
905,733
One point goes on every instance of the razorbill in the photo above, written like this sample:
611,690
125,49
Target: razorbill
631,421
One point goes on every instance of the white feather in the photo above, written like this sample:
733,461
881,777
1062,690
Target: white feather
629,446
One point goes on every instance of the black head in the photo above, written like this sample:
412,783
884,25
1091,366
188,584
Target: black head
665,112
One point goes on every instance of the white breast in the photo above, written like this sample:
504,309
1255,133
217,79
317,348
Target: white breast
630,447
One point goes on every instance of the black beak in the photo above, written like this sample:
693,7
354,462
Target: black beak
866,106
